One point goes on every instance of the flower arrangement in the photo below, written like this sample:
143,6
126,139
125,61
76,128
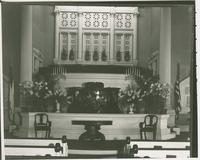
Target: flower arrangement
155,96
60,95
38,93
130,95
34,94
147,89
158,89
38,90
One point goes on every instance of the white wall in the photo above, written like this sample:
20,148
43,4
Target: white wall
109,80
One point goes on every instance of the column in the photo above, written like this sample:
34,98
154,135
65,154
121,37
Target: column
165,48
57,12
165,45
112,36
26,44
134,39
80,32
165,58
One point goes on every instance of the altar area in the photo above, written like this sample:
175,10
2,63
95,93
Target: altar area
123,125
95,72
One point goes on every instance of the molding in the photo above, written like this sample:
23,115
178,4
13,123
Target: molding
100,9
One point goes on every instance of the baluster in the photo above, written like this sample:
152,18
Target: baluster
132,70
53,68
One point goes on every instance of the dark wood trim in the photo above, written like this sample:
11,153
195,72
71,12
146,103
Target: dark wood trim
83,122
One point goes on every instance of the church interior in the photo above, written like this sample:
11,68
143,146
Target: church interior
93,81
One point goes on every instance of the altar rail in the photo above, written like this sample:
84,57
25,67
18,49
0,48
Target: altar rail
70,68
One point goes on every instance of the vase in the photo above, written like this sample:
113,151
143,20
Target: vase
131,108
57,107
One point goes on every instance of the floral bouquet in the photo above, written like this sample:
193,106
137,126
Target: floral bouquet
155,96
60,95
35,93
158,89
148,90
39,90
129,96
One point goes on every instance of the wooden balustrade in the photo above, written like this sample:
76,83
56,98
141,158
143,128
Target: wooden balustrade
112,69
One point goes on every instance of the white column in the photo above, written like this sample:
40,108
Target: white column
57,12
26,44
112,36
80,33
165,58
165,45
134,39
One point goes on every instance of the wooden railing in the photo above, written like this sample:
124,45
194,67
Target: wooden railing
127,70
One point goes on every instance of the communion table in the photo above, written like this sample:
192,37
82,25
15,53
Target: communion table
123,125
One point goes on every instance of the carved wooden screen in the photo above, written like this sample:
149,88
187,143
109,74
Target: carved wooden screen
96,35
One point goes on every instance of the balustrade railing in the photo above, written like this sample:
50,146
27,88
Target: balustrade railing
65,69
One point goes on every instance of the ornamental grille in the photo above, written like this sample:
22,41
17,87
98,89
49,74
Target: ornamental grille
96,34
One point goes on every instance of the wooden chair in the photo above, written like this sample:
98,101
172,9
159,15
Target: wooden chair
149,125
42,123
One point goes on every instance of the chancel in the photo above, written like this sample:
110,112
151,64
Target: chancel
97,75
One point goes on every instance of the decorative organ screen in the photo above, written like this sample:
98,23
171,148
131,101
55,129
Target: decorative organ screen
96,35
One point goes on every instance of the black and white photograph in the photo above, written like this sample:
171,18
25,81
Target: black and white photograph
94,79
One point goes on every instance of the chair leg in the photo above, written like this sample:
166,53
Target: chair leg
141,135
154,135
145,135
49,133
46,135
36,133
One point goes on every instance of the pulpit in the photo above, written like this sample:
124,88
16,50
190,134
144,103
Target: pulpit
92,129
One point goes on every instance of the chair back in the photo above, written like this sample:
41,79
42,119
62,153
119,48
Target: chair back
150,120
41,119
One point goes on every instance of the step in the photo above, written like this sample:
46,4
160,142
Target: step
168,136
